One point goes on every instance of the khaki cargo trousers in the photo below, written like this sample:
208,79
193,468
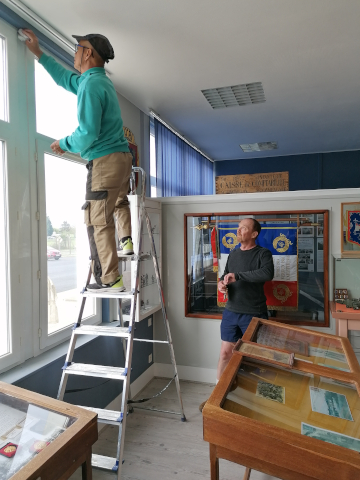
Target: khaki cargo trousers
107,186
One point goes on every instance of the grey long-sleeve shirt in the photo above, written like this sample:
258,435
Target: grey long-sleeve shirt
252,269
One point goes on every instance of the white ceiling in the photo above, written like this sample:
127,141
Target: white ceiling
305,52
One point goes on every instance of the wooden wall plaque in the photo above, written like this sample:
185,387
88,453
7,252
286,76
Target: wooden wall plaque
257,182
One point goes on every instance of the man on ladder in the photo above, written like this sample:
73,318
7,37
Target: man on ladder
100,140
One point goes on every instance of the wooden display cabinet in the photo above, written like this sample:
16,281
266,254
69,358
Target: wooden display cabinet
42,438
295,422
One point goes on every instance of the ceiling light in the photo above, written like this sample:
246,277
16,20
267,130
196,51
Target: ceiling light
258,147
235,95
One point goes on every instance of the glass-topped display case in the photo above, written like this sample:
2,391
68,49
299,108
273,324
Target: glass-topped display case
33,432
294,395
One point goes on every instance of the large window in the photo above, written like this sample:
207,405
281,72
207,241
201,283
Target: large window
55,107
3,81
4,307
66,243
44,252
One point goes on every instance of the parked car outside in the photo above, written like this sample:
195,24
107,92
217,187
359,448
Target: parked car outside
53,253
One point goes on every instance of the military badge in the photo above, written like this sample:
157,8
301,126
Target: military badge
8,450
38,446
281,243
230,240
282,292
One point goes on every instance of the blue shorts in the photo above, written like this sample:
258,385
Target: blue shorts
234,325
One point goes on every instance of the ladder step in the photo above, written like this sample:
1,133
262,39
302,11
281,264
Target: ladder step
100,294
142,256
95,371
105,463
111,417
102,331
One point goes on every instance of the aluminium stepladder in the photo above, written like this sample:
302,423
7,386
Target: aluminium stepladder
111,417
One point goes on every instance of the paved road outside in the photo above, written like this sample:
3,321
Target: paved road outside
62,273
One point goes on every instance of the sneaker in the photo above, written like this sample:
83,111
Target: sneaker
117,286
126,247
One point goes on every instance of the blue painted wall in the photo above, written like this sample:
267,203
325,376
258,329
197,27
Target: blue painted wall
93,392
306,172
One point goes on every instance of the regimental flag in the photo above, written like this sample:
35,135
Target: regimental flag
353,227
282,292
281,240
214,249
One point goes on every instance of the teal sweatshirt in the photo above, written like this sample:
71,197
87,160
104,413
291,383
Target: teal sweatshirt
100,131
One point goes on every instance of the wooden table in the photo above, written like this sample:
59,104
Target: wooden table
265,435
346,318
69,451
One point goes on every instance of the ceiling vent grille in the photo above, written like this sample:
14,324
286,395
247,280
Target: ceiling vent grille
259,147
244,94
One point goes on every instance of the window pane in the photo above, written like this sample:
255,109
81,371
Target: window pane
67,246
4,313
55,107
3,81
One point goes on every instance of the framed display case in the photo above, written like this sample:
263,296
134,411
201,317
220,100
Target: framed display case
350,229
299,421
345,304
148,301
43,438
299,243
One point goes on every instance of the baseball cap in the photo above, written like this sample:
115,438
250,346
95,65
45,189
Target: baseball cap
100,43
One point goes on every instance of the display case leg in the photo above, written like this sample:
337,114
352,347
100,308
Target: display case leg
86,469
247,474
343,328
214,463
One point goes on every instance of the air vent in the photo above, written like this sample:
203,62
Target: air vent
244,94
259,147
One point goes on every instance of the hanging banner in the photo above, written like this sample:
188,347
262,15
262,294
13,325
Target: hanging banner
354,227
214,249
281,240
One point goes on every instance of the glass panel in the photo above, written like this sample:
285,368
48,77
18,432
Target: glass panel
66,241
4,314
311,405
324,351
296,242
56,108
4,114
25,430
347,282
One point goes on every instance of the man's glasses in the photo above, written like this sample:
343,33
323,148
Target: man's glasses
77,47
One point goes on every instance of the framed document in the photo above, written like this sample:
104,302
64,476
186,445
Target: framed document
350,229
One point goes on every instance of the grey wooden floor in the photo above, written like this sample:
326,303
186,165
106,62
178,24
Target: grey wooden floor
161,447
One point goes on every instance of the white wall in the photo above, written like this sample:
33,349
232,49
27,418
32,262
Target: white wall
197,340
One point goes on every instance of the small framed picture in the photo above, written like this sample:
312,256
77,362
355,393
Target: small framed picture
306,232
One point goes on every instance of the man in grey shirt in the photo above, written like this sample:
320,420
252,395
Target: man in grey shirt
246,271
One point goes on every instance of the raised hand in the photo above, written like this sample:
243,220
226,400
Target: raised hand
33,43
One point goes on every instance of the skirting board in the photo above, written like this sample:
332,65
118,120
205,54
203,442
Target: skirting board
192,374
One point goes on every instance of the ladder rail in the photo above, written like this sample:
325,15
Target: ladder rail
164,314
130,343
